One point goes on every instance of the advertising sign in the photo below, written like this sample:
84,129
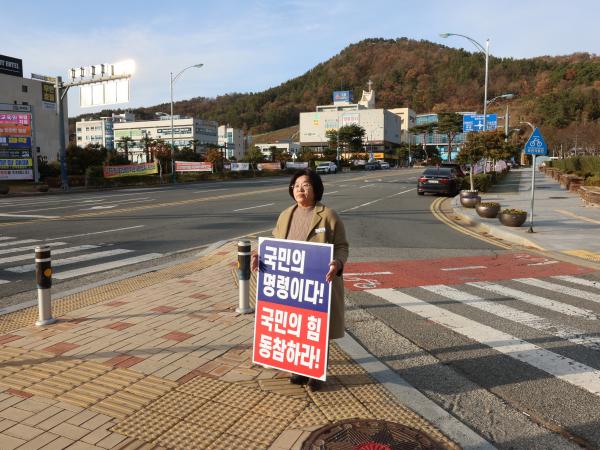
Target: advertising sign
105,93
239,167
129,170
14,163
15,142
11,129
474,122
296,165
268,167
48,96
350,119
342,96
11,66
24,174
193,166
15,118
293,302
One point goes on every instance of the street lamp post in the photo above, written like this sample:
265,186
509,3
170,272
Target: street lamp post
486,52
173,79
507,97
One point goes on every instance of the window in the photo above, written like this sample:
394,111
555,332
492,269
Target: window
23,88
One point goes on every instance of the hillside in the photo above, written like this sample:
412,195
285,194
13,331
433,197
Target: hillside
556,92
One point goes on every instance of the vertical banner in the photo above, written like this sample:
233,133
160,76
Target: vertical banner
293,301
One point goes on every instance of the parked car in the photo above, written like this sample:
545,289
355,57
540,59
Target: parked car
384,164
439,180
455,166
372,165
327,167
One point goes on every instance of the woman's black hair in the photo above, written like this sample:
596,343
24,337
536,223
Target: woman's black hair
315,182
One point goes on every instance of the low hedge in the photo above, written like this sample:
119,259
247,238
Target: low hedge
481,182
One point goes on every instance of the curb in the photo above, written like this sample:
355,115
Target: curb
491,229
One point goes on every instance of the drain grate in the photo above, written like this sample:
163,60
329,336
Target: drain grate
558,198
361,434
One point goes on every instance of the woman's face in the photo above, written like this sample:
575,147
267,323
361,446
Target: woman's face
304,193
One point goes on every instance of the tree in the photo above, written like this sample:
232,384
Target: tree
160,152
124,143
472,151
147,143
352,136
449,124
279,155
253,156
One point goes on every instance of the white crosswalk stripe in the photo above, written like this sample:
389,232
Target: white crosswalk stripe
23,241
6,251
58,251
4,281
556,328
536,300
580,281
106,266
5,238
72,260
560,288
559,366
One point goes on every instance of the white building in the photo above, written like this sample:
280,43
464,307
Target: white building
291,148
232,140
383,128
187,132
36,99
100,131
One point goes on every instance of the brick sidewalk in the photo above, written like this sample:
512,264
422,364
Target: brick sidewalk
166,363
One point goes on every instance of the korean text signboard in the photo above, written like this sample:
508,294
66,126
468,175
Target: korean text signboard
293,301
129,170
16,157
474,122
193,166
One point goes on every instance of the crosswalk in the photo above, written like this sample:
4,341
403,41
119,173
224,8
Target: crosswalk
560,308
68,260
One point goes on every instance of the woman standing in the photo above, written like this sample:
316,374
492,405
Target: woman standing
309,220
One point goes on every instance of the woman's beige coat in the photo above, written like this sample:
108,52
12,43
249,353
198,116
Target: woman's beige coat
326,228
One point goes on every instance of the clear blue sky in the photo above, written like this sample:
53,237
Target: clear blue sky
249,46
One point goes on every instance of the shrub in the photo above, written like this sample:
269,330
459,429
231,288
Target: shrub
513,211
481,182
490,204
592,181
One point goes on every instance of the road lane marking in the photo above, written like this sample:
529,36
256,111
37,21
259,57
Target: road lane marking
576,216
329,193
58,251
364,204
209,190
96,232
106,266
448,269
253,207
6,238
4,281
403,192
578,337
561,367
28,216
536,300
28,247
75,259
576,280
554,287
24,241
99,207
86,203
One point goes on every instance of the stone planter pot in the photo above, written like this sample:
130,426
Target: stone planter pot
576,183
512,219
4,189
590,194
489,212
467,193
470,202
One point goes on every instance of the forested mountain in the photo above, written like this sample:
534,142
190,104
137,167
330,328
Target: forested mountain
555,92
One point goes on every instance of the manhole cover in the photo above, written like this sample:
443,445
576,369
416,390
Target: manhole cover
362,434
558,198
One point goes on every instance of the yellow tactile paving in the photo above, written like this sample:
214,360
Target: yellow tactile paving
331,394
186,435
370,393
254,427
230,442
177,404
115,406
309,417
204,387
279,406
240,396
341,411
145,425
584,254
215,416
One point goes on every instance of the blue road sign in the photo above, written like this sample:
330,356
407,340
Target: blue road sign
474,122
536,144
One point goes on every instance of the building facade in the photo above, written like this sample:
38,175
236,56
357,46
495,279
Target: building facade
100,131
32,103
232,140
291,148
187,132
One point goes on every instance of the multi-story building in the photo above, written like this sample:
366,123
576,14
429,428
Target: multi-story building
232,140
383,128
287,146
439,141
29,103
100,131
187,132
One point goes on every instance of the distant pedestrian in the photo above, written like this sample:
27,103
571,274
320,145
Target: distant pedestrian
311,221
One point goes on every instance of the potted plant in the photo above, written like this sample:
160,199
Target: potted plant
489,210
470,202
512,217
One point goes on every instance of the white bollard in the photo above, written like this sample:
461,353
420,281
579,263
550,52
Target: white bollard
43,278
243,272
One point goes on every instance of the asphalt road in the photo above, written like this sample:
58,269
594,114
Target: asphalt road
475,327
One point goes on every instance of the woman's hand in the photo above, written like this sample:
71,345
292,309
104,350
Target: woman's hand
334,267
254,262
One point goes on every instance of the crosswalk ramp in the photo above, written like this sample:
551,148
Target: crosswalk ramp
557,310
68,260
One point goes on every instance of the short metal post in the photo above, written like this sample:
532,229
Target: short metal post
43,278
243,273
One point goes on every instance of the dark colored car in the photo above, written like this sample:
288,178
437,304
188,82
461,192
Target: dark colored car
454,166
439,180
373,165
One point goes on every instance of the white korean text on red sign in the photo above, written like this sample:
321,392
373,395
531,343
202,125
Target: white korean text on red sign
293,300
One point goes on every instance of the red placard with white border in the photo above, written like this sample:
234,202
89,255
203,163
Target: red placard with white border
293,302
